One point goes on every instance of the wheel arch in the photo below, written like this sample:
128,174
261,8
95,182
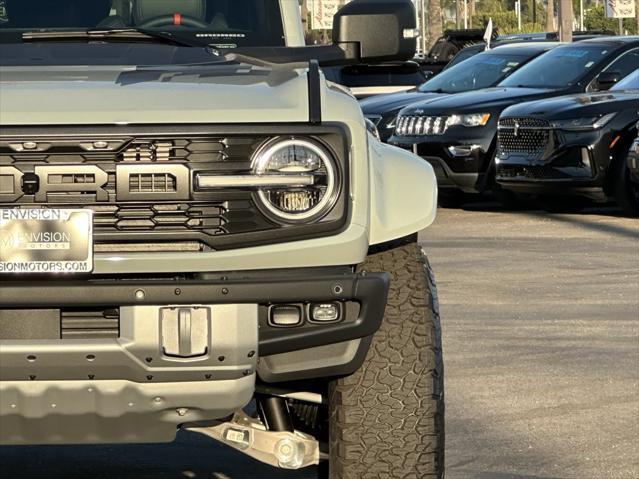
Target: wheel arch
618,153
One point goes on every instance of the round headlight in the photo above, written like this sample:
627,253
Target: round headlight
310,174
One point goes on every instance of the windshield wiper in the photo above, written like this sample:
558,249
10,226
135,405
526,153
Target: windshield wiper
120,34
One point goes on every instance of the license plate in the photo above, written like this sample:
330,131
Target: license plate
46,241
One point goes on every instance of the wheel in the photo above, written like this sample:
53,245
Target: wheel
626,190
450,198
387,419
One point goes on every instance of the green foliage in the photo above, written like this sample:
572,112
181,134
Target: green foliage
502,21
595,19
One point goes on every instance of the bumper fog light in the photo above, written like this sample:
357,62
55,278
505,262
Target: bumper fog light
285,316
325,312
463,150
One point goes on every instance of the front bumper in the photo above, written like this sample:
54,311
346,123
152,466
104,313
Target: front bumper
469,172
135,387
575,165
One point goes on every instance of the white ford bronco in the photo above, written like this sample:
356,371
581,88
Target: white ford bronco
198,232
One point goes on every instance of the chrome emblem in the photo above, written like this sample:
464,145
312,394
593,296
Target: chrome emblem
516,129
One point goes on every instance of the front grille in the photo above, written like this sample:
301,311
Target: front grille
141,185
529,172
529,137
411,125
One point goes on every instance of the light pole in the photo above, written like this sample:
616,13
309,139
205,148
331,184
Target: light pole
423,12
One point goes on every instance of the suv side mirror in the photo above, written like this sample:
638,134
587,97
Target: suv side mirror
606,80
376,31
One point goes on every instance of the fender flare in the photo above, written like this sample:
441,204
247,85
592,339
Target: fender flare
403,191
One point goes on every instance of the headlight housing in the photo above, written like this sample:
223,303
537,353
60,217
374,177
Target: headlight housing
470,120
310,179
586,123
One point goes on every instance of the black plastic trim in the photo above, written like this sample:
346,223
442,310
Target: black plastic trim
369,290
314,93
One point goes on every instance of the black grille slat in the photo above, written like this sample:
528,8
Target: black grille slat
90,324
530,172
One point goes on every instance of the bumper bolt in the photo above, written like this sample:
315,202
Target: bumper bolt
182,411
140,295
178,291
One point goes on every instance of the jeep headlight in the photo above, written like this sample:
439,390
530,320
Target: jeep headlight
473,119
308,175
585,123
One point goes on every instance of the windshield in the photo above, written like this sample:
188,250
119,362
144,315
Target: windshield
220,23
465,54
481,71
559,68
631,82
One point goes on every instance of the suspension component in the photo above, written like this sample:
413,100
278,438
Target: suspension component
283,449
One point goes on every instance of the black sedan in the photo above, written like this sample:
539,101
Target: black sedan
571,145
457,134
480,70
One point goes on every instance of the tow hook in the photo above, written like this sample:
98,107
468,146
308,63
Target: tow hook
282,449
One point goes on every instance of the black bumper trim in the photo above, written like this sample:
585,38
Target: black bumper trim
369,290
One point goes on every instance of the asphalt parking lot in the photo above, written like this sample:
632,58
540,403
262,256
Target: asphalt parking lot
541,334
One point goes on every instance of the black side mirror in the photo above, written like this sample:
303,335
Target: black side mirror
606,80
376,30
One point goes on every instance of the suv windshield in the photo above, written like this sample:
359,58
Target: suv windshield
220,23
631,82
481,71
559,68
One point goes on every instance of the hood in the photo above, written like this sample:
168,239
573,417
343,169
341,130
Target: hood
393,102
488,99
227,92
576,106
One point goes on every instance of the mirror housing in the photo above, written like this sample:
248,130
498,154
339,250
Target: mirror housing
605,80
373,31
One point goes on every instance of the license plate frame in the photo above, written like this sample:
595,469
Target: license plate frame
47,240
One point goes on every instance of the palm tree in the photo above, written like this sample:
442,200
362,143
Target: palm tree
550,16
471,12
434,21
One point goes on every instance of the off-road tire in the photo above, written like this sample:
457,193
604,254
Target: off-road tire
387,420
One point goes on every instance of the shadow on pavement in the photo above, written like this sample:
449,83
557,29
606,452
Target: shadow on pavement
191,456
